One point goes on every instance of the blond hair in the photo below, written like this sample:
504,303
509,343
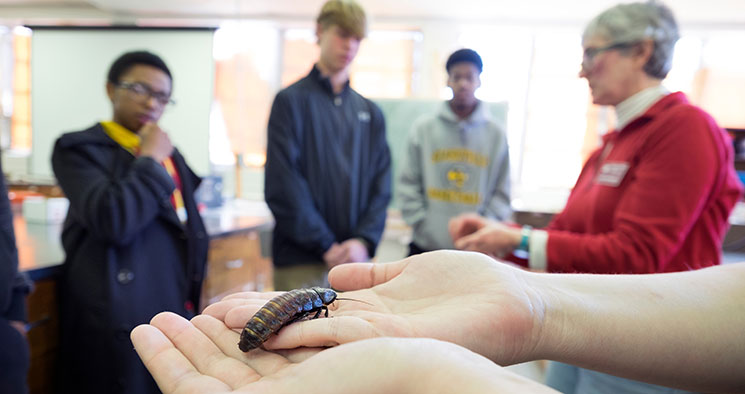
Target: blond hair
347,14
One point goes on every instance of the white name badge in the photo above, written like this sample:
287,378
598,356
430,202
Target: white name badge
612,173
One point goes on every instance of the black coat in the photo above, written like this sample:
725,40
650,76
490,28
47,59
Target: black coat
128,257
14,352
328,170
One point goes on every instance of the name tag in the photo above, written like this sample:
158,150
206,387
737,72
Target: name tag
363,116
612,173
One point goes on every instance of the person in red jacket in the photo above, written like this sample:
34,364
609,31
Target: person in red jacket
656,196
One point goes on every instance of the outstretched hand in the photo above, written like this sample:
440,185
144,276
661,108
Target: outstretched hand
464,298
201,356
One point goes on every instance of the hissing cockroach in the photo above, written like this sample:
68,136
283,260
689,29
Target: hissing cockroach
282,310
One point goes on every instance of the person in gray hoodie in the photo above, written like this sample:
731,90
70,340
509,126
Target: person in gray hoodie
457,161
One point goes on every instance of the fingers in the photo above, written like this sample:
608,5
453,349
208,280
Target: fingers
453,227
333,256
322,333
147,128
465,224
202,350
355,276
341,255
476,242
298,355
170,368
252,364
251,295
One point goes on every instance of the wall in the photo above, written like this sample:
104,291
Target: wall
69,67
399,115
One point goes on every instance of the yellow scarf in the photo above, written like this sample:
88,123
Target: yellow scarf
131,142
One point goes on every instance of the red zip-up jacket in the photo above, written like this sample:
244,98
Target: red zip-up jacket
655,197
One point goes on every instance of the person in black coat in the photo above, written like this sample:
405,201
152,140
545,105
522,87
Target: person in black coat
14,286
134,241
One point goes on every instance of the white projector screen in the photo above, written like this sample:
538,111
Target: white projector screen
68,78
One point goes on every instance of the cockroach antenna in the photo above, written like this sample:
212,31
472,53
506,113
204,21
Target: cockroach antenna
352,299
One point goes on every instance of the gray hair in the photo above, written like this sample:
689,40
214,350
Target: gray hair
628,23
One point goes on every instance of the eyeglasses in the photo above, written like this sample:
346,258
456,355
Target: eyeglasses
589,55
141,92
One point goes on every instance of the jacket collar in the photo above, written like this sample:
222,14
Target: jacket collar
662,105
637,104
315,74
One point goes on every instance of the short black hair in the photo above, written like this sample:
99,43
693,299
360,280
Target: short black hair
465,55
130,59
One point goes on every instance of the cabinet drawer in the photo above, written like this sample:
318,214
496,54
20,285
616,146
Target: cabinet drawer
235,263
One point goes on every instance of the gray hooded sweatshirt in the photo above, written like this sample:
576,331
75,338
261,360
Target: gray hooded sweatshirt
453,166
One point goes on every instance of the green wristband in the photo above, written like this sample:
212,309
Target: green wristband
525,240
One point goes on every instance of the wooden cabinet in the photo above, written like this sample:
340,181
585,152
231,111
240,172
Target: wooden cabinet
738,139
234,264
43,335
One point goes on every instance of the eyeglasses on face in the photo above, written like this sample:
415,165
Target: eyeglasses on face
589,54
142,92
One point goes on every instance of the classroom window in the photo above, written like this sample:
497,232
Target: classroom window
15,89
245,83
719,83
247,79
372,74
553,126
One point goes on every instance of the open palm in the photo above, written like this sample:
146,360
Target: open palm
465,298
200,357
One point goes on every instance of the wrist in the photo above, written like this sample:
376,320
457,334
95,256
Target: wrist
521,242
562,314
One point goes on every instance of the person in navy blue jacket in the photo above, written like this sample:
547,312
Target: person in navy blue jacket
134,241
328,169
14,286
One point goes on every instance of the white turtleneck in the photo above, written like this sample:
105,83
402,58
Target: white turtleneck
636,105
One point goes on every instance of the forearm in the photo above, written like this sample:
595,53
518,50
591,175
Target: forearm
682,329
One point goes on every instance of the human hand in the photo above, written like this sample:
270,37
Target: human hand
335,255
464,298
155,142
19,326
465,224
357,251
495,239
201,356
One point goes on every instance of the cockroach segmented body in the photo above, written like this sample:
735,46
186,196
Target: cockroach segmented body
282,310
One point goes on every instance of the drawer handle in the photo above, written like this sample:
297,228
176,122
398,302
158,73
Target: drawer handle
31,325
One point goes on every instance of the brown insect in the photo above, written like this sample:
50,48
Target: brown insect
285,309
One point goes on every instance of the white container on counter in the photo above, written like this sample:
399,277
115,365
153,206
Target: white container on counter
45,210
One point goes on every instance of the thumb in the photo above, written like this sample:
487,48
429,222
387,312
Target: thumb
356,276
